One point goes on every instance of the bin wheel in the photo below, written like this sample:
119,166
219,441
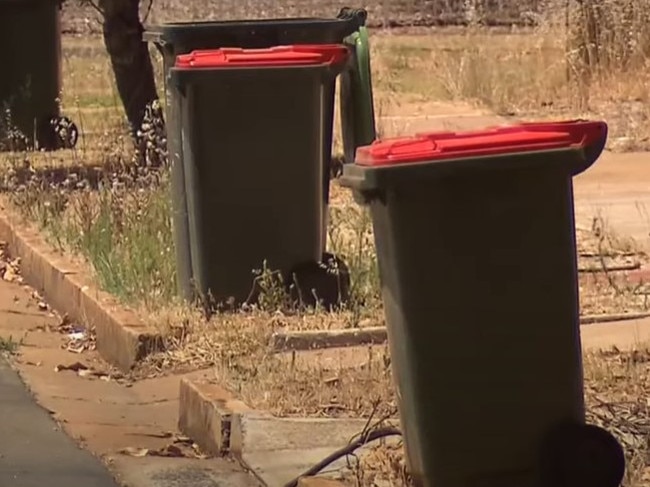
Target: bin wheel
576,454
65,133
336,167
326,283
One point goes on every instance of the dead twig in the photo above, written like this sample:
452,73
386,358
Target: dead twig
346,450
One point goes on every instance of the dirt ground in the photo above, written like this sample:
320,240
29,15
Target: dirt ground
616,186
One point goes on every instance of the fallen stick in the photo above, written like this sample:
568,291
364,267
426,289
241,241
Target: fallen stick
320,339
613,268
608,318
377,335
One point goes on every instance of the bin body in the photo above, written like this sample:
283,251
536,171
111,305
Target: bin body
30,84
175,39
477,258
252,143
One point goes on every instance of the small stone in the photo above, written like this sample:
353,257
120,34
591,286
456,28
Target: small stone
9,275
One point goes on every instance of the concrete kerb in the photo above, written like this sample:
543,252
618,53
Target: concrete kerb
122,338
205,414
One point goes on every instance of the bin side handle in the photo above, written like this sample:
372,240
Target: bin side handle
154,36
175,77
591,153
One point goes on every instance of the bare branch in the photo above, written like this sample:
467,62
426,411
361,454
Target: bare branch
93,5
146,15
347,450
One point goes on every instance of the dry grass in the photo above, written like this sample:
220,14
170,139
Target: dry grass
608,291
119,220
616,385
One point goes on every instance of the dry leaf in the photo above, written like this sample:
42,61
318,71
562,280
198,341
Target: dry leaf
75,367
135,452
171,451
183,439
77,350
332,381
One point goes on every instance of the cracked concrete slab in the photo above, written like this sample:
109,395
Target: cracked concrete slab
278,450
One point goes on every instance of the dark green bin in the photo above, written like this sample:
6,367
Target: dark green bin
30,84
252,143
174,39
477,258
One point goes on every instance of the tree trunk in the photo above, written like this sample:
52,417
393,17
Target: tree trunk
130,59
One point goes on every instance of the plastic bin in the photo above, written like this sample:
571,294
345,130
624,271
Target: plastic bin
252,136
476,248
356,101
175,39
30,84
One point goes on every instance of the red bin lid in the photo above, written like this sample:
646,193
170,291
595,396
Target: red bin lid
524,137
274,56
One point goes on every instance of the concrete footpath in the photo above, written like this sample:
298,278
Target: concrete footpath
61,428
33,450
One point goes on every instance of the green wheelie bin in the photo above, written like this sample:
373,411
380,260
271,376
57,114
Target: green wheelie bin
175,39
356,100
252,134
30,84
476,248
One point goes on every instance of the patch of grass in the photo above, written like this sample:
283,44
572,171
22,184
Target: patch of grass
616,385
608,291
123,229
9,345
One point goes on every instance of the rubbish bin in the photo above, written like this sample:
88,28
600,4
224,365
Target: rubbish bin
476,248
175,39
356,101
252,132
30,84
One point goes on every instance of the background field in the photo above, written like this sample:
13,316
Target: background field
384,13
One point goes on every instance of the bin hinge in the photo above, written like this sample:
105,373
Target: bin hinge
360,14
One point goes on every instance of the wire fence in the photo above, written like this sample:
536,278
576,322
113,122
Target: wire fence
79,18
